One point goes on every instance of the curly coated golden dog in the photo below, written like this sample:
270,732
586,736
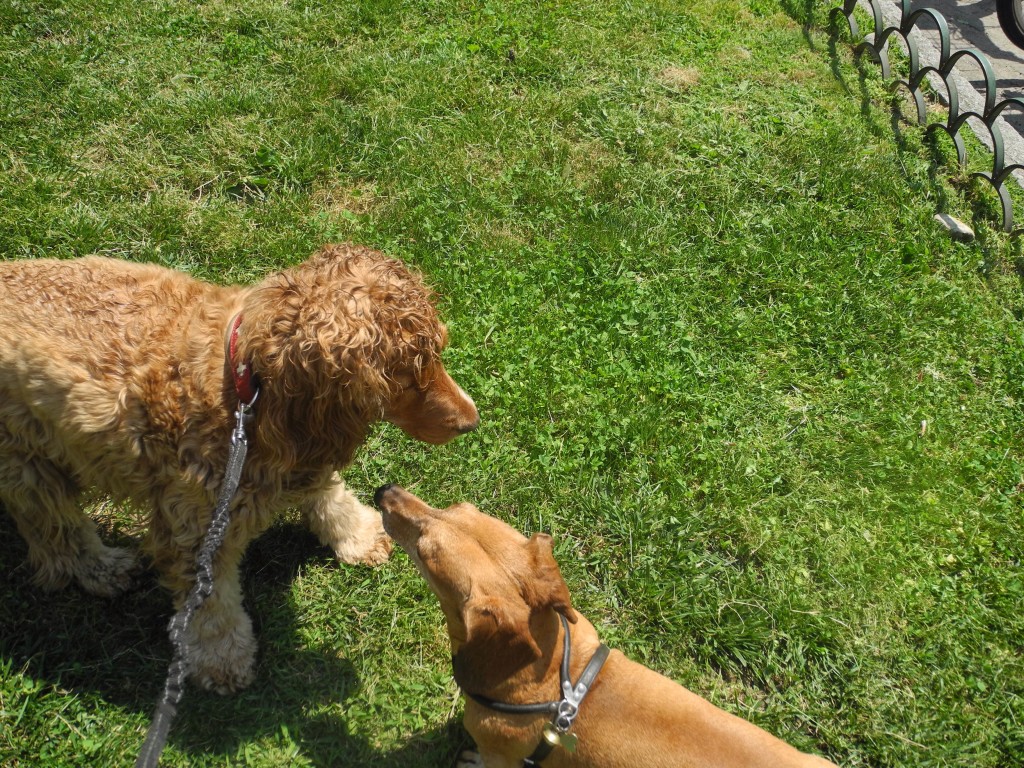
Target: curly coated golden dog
538,692
122,377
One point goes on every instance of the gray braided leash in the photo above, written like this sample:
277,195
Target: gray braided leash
174,688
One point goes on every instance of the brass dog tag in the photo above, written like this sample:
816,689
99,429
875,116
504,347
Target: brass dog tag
565,740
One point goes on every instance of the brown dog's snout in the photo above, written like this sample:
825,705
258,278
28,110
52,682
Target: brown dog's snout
468,424
397,503
404,514
381,493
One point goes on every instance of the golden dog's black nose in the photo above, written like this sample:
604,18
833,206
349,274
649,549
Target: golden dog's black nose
378,495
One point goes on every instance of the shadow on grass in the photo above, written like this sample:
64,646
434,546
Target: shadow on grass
802,12
117,651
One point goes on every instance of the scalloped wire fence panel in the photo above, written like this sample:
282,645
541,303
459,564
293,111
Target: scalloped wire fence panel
877,47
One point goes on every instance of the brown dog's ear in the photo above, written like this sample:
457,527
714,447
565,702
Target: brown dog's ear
498,644
546,588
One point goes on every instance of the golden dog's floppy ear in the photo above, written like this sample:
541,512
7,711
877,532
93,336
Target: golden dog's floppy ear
498,643
546,588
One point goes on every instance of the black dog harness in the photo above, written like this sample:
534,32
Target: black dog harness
564,711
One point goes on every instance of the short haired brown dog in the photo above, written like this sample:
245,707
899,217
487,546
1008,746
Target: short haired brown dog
508,613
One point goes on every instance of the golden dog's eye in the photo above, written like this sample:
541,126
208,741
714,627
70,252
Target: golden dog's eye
410,383
405,382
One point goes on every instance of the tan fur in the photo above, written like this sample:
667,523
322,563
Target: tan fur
114,375
501,594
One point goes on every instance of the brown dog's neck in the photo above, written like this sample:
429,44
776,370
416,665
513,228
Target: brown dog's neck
485,670
540,680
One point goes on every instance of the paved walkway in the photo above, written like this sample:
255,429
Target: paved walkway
973,24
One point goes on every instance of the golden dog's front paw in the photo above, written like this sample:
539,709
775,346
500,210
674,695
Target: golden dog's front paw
350,528
372,548
223,662
381,551
224,681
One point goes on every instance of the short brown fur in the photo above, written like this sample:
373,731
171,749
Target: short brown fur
501,595
114,375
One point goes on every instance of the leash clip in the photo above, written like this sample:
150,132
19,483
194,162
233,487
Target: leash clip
243,414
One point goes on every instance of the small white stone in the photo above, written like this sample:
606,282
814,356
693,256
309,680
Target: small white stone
957,229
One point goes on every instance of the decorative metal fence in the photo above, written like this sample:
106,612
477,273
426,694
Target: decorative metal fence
910,20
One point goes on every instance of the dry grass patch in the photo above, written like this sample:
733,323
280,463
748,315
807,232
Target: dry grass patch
339,199
588,161
680,78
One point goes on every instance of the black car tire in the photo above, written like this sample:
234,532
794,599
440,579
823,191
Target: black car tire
1011,19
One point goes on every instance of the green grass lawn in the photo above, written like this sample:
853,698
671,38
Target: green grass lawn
770,412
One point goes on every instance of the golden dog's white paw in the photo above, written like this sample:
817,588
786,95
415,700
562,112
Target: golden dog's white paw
222,662
350,528
470,759
372,546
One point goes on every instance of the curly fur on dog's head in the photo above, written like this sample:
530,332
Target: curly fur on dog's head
329,340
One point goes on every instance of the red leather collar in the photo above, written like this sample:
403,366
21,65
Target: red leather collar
246,383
